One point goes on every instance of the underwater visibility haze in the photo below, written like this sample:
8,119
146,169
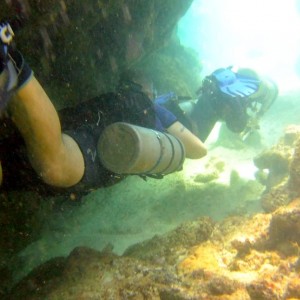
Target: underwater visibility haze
263,35
226,226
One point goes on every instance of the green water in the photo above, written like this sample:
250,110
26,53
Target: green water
263,35
259,34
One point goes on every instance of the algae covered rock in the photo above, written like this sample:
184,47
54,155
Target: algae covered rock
278,170
158,249
285,226
79,48
275,197
201,261
294,179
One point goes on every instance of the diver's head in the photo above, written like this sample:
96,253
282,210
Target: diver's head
138,81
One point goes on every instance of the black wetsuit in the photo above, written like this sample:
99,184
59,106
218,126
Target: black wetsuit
84,123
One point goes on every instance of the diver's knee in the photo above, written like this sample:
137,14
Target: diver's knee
57,177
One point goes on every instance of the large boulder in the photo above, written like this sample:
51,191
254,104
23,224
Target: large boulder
78,48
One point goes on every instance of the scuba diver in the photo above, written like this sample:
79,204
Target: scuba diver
94,144
239,97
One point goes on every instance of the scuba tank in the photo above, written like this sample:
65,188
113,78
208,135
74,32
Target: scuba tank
124,148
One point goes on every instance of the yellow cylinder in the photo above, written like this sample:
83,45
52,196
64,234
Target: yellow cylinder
129,149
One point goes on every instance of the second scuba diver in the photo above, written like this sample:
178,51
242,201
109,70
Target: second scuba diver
239,97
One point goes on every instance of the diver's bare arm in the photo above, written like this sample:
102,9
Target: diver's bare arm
56,157
193,145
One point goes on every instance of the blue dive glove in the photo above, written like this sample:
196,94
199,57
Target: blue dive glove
164,98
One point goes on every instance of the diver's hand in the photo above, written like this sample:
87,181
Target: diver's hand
6,37
8,75
6,33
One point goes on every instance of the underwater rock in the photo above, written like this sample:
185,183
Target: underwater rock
221,285
294,179
264,290
158,249
78,48
89,274
204,178
214,167
238,258
291,135
253,235
274,198
264,273
243,244
277,162
285,227
174,294
279,170
293,288
49,272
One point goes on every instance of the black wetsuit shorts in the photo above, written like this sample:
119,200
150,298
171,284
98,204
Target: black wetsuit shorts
18,174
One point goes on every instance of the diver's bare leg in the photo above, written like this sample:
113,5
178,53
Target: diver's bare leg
56,157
